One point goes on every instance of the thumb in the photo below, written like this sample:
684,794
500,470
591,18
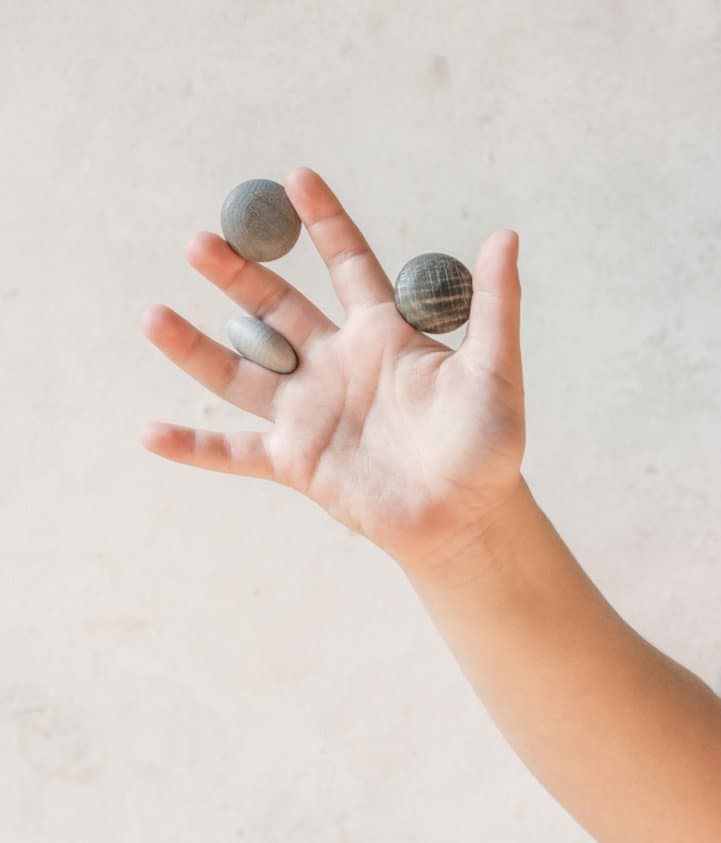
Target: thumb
493,335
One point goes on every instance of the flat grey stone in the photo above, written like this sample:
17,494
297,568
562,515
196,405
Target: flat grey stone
261,344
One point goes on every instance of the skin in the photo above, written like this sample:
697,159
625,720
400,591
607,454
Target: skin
419,448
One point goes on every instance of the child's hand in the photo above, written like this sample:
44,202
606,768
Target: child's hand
419,448
398,437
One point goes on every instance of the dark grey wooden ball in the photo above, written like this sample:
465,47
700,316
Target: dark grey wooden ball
433,293
258,220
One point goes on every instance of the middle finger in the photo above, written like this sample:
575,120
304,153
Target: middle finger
257,289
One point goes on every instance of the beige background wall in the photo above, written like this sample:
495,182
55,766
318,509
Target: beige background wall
190,657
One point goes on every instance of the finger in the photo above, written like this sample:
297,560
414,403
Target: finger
238,453
257,289
219,369
493,334
357,276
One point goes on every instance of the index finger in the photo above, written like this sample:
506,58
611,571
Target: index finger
257,289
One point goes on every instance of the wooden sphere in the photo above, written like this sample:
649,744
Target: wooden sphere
258,220
433,293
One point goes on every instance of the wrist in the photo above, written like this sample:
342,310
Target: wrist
489,548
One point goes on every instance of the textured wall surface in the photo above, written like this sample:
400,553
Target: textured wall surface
193,657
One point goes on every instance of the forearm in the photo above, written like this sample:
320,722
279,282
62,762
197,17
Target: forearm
626,739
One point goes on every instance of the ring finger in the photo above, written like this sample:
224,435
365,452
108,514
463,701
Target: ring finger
216,367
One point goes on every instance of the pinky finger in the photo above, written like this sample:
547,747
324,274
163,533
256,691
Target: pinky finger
236,453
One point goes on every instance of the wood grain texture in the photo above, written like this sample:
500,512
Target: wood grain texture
261,344
258,220
433,293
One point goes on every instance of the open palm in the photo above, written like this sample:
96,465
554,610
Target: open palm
396,435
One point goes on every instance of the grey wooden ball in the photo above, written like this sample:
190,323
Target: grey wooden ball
261,344
258,220
433,293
